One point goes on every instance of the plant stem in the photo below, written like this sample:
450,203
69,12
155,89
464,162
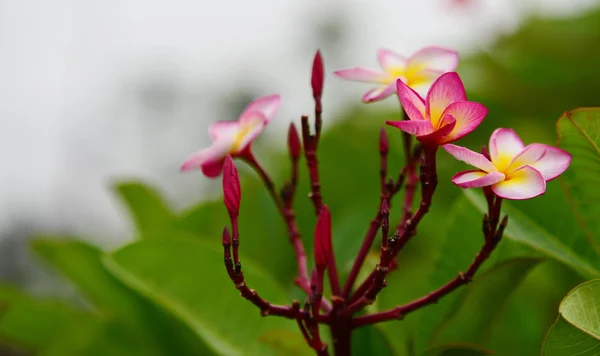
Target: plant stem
341,333
492,238
287,213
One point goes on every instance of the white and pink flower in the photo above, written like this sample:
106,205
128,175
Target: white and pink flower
444,116
233,137
513,170
418,71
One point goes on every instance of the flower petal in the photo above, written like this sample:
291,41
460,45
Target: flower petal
437,58
266,105
468,116
411,102
446,90
421,81
475,159
413,127
391,61
209,159
222,129
361,74
524,183
439,136
379,93
251,127
505,145
548,160
476,179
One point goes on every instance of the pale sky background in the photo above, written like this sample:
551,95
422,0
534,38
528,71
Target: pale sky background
77,82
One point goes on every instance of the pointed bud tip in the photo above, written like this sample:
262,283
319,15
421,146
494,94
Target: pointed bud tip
226,236
317,76
384,144
294,145
231,187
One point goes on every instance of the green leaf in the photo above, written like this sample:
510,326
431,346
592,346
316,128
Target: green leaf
148,209
187,278
524,230
36,324
564,339
286,342
141,320
457,350
370,340
481,303
581,308
579,134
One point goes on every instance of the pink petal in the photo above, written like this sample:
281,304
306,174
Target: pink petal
223,129
437,58
248,130
391,61
411,102
439,136
505,145
468,116
212,169
476,179
548,160
446,90
209,159
524,183
413,127
378,94
473,158
361,74
266,105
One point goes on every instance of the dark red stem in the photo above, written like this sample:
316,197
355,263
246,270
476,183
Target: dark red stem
310,153
492,238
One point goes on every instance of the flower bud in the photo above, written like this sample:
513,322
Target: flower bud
231,187
316,79
322,248
384,144
294,145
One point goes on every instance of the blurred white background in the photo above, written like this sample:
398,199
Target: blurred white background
93,91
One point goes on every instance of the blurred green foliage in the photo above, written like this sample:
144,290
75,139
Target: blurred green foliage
167,292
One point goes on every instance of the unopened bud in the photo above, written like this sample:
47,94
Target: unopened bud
226,237
384,144
322,248
385,208
231,187
316,79
294,145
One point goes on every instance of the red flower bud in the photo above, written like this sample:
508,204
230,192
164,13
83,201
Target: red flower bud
322,248
294,145
226,237
384,144
231,187
316,79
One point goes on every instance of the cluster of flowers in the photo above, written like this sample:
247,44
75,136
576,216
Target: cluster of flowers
513,170
506,169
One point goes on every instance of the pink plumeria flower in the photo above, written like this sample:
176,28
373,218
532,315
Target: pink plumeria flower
444,116
418,71
233,137
514,171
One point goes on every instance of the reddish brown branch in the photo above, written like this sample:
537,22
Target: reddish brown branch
492,238
287,212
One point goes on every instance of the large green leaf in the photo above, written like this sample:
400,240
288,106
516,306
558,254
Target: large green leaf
457,349
472,320
579,134
148,209
524,230
187,278
564,339
581,307
370,340
133,315
577,328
